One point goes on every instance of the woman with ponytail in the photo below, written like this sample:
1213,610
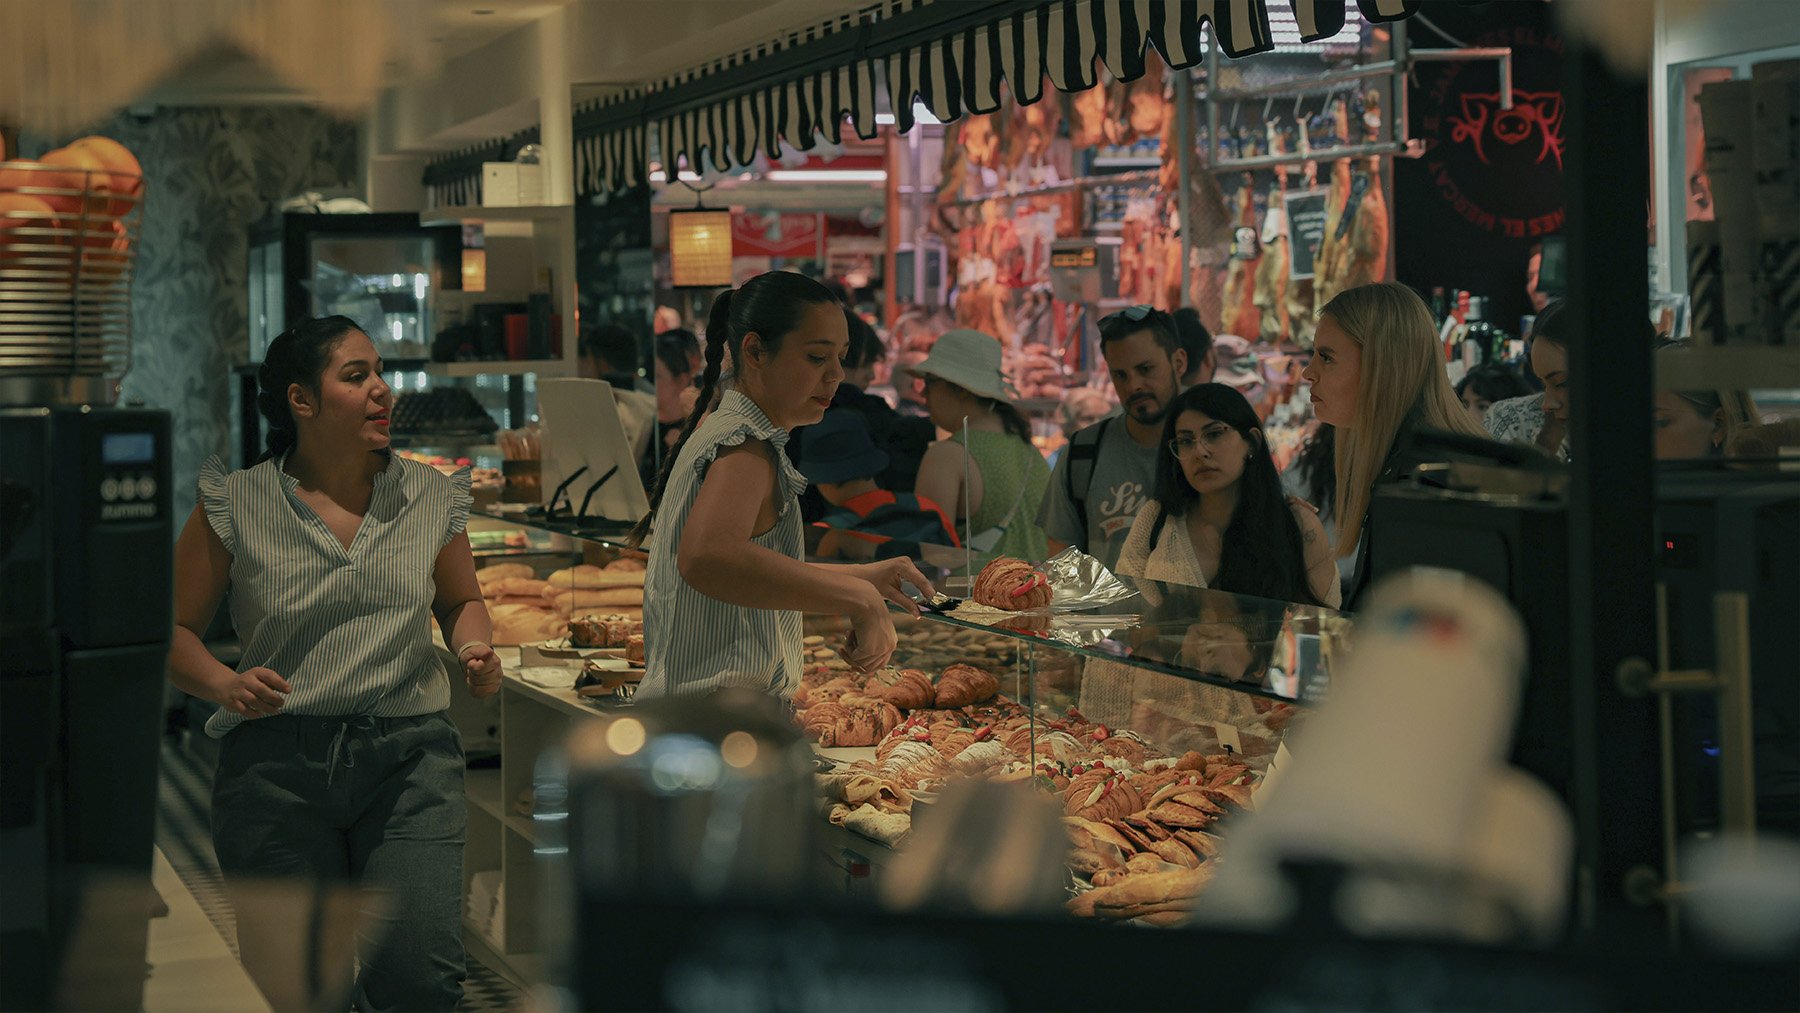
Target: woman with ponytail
727,582
337,761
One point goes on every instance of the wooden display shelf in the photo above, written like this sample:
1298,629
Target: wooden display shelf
521,970
485,791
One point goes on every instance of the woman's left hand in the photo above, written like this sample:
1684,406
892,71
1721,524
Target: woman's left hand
481,669
890,577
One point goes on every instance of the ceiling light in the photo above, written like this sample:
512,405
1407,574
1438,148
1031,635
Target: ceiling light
699,248
826,175
884,119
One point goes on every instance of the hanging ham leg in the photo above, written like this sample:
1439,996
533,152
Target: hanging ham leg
1241,317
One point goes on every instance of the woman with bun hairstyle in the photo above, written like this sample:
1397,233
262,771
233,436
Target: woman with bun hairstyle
1219,517
1377,373
727,583
337,761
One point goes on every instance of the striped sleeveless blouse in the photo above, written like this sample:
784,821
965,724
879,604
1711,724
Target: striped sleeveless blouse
694,644
350,629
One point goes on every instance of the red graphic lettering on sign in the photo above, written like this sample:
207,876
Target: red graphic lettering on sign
1534,113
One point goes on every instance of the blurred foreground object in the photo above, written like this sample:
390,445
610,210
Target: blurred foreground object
1458,845
69,63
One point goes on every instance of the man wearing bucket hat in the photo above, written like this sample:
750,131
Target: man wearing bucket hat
990,443
1109,468
843,462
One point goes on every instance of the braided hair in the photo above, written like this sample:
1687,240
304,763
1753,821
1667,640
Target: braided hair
298,355
771,305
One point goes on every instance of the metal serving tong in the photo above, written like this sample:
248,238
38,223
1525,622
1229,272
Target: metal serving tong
939,603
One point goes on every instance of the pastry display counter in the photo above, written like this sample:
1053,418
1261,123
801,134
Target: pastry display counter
1152,721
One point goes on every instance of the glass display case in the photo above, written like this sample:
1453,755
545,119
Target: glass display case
1151,722
381,270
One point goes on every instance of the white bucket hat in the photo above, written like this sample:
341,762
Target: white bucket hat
969,359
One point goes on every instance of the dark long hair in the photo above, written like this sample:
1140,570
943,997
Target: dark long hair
674,348
770,304
297,355
1262,554
1317,462
1494,382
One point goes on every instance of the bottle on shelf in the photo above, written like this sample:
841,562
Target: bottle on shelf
1451,331
1477,335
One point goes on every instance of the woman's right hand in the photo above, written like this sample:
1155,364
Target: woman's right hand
871,641
257,693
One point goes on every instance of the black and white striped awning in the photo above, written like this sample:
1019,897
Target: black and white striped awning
950,57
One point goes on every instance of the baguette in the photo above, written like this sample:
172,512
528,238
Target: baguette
581,578
499,571
530,601
516,587
1156,890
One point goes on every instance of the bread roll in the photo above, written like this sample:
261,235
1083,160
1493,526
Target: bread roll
517,587
626,564
499,571
530,601
569,602
581,578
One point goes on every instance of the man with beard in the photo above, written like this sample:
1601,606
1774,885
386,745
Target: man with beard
1109,467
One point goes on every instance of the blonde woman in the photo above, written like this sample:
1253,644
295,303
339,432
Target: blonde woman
1377,372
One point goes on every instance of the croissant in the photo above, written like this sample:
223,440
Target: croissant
962,685
1008,583
909,690
955,742
1099,794
859,727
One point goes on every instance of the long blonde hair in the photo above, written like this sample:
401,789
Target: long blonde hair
1403,377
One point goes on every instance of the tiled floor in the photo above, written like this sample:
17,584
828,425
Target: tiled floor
183,832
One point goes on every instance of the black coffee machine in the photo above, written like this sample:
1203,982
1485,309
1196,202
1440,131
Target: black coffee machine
85,621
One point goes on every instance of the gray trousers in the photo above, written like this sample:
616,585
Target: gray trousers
376,802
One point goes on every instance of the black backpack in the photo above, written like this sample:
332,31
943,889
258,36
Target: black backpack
1084,448
904,520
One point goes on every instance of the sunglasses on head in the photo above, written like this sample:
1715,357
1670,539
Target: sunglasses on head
1136,314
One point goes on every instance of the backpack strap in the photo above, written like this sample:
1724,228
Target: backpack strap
1083,451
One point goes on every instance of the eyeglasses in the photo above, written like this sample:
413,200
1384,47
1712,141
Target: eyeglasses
1136,314
1185,444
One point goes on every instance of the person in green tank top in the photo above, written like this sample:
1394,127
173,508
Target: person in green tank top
987,474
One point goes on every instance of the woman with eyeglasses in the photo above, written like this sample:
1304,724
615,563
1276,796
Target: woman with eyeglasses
1219,517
